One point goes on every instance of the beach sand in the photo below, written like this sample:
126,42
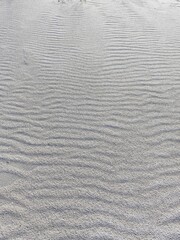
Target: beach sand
89,120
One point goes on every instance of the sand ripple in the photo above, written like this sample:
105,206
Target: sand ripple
89,126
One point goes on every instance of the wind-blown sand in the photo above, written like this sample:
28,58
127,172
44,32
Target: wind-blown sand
89,120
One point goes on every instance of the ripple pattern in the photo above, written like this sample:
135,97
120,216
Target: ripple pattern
89,120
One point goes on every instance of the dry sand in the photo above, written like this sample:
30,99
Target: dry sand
89,120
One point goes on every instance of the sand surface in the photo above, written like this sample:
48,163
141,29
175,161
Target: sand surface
89,120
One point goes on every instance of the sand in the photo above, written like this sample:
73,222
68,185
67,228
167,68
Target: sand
89,120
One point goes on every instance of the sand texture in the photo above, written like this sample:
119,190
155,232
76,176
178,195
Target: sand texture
89,120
